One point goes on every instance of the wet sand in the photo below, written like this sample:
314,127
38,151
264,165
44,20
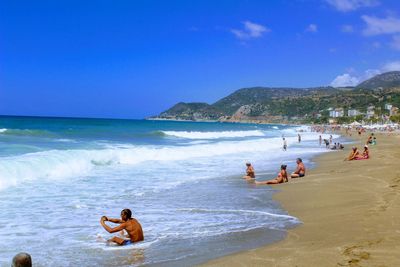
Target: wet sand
350,212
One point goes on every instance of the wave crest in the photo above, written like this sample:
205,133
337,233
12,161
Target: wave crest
213,135
26,132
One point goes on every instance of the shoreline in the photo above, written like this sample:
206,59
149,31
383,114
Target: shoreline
348,211
230,121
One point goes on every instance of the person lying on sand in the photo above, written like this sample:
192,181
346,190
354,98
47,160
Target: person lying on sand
300,170
281,178
250,173
130,225
353,154
364,155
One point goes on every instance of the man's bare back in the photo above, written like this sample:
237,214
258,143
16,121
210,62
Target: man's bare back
130,225
134,230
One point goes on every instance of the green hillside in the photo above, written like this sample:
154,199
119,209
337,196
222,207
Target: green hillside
293,104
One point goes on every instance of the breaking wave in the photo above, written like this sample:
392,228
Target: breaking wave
214,135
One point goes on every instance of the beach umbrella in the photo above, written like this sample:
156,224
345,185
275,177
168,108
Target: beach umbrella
355,123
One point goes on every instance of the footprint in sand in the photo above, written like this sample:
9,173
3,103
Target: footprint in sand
357,253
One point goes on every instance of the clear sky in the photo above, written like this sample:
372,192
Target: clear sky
132,59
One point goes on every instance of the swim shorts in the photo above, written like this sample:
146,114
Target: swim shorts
127,242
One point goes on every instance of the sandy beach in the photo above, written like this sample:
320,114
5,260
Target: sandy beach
350,213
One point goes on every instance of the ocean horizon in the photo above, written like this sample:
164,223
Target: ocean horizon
182,180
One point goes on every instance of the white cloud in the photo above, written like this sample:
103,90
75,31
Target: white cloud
369,74
391,66
348,79
347,28
377,26
312,28
345,80
396,42
250,30
350,5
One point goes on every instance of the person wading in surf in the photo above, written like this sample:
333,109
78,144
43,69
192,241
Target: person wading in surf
130,225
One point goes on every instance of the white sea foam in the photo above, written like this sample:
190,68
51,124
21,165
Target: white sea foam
59,164
3,130
214,135
222,211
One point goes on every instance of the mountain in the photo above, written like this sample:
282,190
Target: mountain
282,105
192,111
382,81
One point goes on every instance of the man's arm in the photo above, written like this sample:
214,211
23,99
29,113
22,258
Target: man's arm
297,169
115,220
111,219
112,230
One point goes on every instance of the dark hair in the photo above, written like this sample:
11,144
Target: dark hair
22,260
299,159
283,167
127,213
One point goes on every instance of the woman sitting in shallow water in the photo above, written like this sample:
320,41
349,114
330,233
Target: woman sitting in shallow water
281,178
250,173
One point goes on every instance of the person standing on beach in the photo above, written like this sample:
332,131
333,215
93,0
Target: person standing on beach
326,143
127,223
320,140
330,139
300,170
284,144
250,173
299,137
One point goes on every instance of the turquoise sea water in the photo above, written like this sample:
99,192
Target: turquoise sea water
182,180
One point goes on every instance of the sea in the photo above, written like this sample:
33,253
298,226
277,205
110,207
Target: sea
182,181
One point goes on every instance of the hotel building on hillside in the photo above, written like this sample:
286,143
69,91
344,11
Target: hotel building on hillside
370,112
353,112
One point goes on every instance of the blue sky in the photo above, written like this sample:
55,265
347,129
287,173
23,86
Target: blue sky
132,59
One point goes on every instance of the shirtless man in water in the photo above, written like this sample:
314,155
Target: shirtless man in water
300,170
250,173
130,225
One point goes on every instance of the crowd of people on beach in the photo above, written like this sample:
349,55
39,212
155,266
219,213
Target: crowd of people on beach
300,171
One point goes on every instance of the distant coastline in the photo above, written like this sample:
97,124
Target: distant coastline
223,121
375,100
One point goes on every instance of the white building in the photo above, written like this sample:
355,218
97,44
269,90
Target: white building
336,113
370,112
353,112
388,106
